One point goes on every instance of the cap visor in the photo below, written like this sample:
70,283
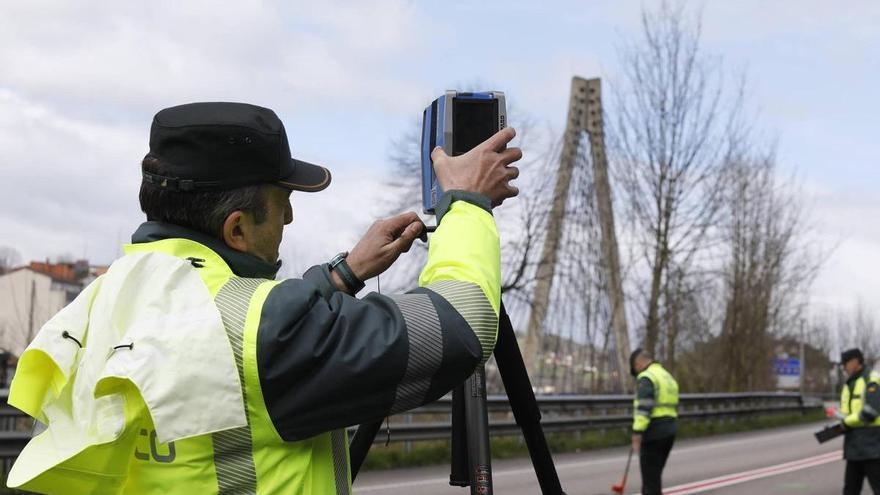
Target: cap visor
306,177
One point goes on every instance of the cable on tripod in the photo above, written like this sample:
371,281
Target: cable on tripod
387,419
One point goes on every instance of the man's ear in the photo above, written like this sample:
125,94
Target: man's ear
234,231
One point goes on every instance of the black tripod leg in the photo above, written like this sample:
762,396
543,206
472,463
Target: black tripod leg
524,406
458,475
360,445
479,452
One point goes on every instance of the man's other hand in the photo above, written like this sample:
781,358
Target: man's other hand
384,241
485,169
636,443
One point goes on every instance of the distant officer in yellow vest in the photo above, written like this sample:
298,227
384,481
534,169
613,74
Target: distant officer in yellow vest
655,422
860,406
187,368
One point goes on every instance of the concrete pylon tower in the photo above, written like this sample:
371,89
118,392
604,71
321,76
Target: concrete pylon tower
549,254
584,114
594,125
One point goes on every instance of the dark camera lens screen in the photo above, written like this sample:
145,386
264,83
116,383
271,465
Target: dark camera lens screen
473,121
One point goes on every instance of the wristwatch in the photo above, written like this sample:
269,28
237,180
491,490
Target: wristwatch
348,277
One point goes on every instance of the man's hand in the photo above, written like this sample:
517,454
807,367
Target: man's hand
637,442
384,241
485,169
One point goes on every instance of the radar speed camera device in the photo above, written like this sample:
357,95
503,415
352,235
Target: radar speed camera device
457,122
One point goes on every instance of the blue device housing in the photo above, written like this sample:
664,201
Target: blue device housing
456,122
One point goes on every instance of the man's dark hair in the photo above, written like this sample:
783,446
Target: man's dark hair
639,352
201,211
854,353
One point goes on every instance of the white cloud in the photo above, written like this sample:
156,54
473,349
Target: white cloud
65,183
81,80
91,58
847,229
71,186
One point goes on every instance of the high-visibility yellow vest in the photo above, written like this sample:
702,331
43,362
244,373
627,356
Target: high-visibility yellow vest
132,456
665,401
248,459
852,405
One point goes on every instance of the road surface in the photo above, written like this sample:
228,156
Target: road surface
768,462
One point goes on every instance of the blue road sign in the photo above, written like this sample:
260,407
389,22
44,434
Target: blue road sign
787,366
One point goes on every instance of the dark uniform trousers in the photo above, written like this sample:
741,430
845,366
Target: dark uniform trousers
856,471
652,460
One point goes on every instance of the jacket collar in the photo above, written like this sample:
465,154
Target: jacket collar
242,264
864,372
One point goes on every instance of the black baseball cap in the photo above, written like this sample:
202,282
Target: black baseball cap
218,145
854,353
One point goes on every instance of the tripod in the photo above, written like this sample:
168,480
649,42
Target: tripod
471,457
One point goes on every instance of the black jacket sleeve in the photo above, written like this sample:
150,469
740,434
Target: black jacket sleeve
645,394
328,360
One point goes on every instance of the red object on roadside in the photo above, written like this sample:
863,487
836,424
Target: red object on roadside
830,412
620,487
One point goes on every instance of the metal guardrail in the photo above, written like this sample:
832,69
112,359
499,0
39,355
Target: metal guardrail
568,413
12,436
561,413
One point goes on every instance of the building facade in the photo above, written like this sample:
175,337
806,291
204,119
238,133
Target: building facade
31,295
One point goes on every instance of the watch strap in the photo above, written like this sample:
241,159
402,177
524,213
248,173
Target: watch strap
351,281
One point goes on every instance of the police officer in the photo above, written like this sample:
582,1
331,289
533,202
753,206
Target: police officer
187,368
859,404
655,420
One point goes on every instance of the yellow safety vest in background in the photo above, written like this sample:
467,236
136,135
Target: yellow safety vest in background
665,402
852,405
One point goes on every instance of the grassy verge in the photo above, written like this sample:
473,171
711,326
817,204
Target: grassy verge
437,452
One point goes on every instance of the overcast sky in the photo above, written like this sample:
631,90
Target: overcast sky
80,81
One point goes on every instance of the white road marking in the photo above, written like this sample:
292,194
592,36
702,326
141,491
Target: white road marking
619,459
754,474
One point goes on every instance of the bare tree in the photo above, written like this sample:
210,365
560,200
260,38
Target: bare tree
767,272
9,259
669,138
859,328
820,371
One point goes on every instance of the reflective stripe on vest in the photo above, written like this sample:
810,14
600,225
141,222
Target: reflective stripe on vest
233,449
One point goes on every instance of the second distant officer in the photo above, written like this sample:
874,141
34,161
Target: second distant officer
860,403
